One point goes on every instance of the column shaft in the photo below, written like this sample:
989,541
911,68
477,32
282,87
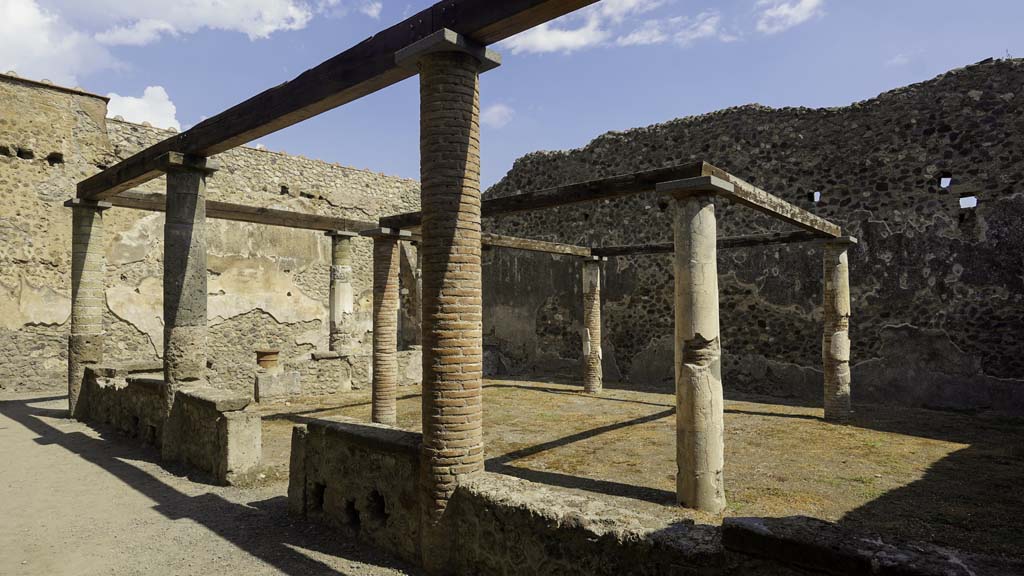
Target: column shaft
592,372
342,299
184,281
835,341
452,314
85,345
385,330
700,442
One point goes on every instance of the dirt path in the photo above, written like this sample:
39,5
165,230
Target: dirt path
74,503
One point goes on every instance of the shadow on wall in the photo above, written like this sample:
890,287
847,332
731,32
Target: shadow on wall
261,528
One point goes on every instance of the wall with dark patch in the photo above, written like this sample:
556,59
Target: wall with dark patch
938,291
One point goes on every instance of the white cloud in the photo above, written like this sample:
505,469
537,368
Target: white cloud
154,106
497,115
617,10
778,16
39,44
372,9
898,60
681,30
580,30
138,34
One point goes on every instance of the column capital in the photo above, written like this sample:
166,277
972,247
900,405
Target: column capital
96,205
341,234
694,186
180,162
845,241
594,258
446,40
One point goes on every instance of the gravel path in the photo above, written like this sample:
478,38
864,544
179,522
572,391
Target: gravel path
72,502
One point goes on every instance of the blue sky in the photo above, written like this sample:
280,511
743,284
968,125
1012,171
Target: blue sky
614,66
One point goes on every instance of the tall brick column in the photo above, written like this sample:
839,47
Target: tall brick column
592,372
385,327
85,344
700,439
449,67
185,273
341,295
835,341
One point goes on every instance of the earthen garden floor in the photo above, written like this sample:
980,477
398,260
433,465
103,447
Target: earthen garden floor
951,479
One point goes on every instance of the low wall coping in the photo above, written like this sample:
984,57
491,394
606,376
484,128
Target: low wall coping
219,400
330,355
152,382
115,370
374,436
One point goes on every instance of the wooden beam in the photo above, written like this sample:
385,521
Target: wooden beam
361,70
592,190
728,186
239,213
724,243
532,245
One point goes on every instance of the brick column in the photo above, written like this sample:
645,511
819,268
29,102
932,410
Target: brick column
341,296
700,443
449,67
835,341
185,274
385,328
85,344
592,373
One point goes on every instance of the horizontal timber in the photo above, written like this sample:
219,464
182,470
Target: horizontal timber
724,243
240,213
533,245
361,70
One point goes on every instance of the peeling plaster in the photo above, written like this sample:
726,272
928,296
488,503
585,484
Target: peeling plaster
26,305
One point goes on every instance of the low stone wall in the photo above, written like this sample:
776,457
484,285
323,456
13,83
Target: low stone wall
364,480
209,429
329,373
360,478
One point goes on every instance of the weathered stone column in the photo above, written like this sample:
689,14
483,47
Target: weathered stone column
342,300
385,325
185,273
592,373
449,67
835,341
85,345
700,442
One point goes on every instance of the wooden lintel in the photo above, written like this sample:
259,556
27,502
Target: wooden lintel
240,213
361,70
498,240
724,243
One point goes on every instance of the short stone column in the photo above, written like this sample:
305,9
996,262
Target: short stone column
385,325
700,441
592,372
453,447
185,273
342,299
835,341
85,344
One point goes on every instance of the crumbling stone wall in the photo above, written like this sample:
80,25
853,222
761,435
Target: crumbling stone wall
268,285
938,291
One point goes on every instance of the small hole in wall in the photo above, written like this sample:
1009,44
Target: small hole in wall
377,508
5,151
968,202
284,190
814,197
351,517
26,154
945,181
316,497
55,158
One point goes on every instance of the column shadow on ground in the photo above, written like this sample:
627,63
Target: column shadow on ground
262,529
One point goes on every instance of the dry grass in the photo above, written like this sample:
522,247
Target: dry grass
947,478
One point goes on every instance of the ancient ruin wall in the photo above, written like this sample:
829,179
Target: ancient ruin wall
938,291
268,285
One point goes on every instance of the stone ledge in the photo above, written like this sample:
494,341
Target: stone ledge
822,546
328,355
125,368
219,400
376,437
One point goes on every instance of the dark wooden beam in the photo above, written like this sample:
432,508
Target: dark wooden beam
724,243
603,188
498,240
239,213
361,70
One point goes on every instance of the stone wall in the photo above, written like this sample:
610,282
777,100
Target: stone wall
938,291
268,285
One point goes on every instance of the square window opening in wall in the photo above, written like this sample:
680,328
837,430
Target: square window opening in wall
968,202
814,197
945,181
